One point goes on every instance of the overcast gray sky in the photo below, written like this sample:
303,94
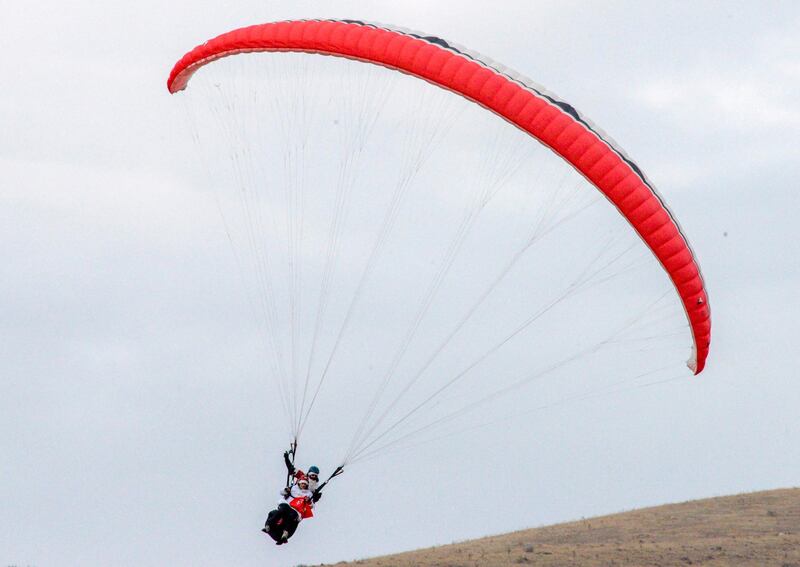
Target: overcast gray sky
131,431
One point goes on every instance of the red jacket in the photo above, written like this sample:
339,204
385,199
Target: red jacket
303,505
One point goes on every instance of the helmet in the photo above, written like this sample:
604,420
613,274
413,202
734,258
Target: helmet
313,470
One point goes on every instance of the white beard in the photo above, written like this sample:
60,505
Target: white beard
312,484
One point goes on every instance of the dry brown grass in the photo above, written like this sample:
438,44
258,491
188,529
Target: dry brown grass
758,529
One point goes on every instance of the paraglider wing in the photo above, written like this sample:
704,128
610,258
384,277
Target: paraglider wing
554,123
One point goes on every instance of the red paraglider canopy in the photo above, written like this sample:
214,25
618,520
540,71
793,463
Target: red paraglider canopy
551,121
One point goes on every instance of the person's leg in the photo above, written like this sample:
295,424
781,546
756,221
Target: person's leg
272,517
286,524
291,525
271,526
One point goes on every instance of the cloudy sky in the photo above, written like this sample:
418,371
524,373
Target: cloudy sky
132,424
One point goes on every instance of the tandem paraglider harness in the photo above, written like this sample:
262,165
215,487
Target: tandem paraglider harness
282,522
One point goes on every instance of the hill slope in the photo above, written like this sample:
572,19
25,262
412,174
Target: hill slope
758,529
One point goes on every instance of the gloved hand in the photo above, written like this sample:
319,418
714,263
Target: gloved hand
286,492
316,496
289,464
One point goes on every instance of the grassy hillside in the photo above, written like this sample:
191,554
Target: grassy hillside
757,529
